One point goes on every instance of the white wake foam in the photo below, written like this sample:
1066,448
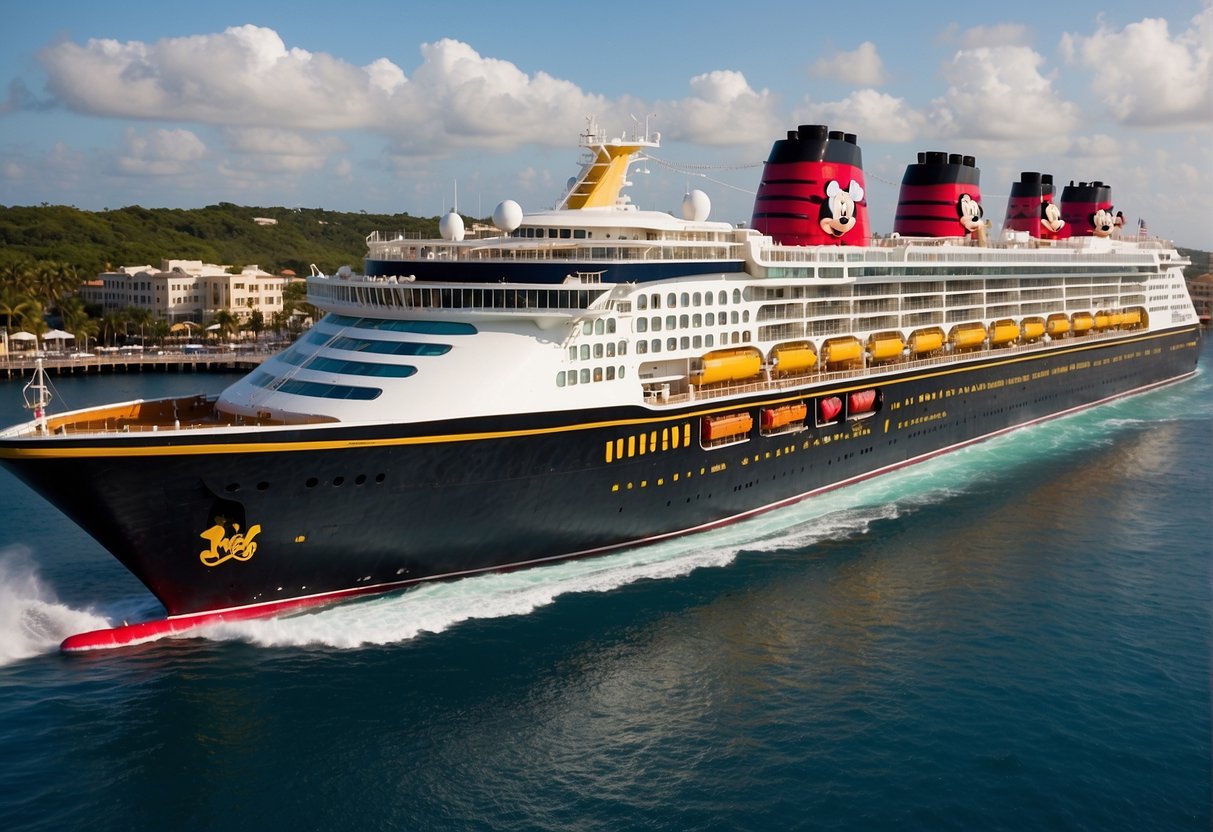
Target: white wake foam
32,620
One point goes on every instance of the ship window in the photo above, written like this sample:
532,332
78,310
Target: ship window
642,324
698,299
560,379
697,320
623,347
709,341
585,352
572,377
656,299
359,368
684,321
656,345
585,376
610,326
723,297
707,298
642,347
599,326
578,233
597,374
423,327
736,296
621,372
671,300
656,324
670,322
565,233
697,341
745,316
710,319
329,391
598,350
734,317
587,328
378,347
684,342
671,344
642,302
572,353
610,349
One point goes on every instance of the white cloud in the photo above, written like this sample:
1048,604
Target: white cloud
1147,77
999,34
874,116
160,152
722,110
861,67
998,95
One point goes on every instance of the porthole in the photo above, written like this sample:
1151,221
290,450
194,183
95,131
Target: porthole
338,482
312,482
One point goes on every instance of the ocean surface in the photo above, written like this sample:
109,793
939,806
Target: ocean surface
1016,636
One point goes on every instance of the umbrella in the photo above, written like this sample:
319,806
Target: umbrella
58,335
183,326
23,336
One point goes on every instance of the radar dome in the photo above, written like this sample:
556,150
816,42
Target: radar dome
696,206
451,227
507,215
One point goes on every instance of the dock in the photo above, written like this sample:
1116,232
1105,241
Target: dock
20,366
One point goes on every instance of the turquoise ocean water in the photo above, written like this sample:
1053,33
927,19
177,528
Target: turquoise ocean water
1016,636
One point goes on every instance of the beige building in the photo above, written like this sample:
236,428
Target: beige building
188,290
1201,290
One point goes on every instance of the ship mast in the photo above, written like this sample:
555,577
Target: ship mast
37,396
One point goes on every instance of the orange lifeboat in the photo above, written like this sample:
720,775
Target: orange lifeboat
926,341
967,336
861,402
1082,321
728,426
1133,318
1057,325
1003,332
838,352
789,359
773,418
885,346
1103,320
1032,329
728,365
829,408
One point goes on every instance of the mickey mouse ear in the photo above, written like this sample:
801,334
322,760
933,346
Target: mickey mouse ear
856,191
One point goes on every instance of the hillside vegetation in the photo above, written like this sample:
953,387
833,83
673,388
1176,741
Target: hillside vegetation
96,241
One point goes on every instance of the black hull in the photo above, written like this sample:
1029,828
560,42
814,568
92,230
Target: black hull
372,507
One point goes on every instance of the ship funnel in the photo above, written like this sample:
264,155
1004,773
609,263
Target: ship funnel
940,197
1030,208
812,191
1087,209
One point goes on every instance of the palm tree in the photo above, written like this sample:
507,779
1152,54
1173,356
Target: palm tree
227,323
13,306
141,317
114,324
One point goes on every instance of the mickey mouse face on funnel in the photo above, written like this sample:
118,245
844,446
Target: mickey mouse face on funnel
940,197
1087,208
812,190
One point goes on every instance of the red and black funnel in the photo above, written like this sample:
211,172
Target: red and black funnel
940,197
1087,209
1031,208
812,191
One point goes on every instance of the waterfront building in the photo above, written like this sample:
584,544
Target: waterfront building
1201,289
188,290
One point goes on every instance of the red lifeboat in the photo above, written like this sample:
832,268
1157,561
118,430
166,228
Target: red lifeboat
812,191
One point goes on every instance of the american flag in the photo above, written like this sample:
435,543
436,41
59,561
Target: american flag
1142,229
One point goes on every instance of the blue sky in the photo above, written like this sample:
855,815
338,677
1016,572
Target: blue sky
390,107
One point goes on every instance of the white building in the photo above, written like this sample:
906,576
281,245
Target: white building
188,290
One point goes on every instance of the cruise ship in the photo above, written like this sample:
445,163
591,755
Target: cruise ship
597,376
